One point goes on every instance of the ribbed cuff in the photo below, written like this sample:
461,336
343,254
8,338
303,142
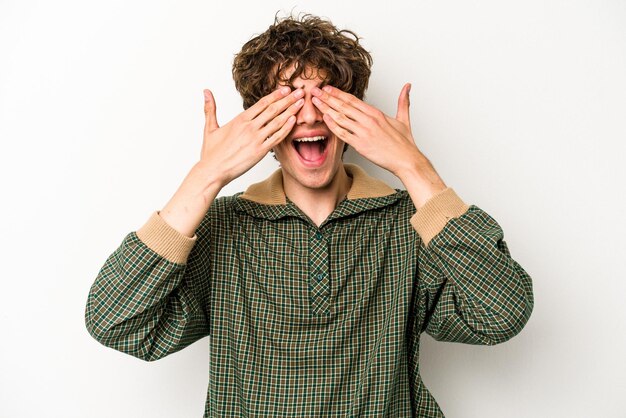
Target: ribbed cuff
431,218
164,240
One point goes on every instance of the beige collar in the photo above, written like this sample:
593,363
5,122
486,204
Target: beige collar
271,192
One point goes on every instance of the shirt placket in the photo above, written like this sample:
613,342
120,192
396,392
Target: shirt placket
319,278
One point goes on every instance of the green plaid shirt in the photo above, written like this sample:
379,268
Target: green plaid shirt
313,321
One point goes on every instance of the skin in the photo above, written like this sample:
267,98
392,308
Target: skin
387,142
316,190
228,152
273,122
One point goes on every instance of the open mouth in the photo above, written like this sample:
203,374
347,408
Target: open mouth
311,149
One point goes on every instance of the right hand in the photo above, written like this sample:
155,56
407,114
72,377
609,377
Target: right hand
231,150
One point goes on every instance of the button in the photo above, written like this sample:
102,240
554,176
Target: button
318,235
320,277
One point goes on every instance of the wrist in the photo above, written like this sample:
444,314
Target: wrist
207,176
186,209
421,180
416,169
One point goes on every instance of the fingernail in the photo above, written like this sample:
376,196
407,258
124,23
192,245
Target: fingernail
299,93
316,91
299,102
285,90
316,101
206,95
327,89
408,90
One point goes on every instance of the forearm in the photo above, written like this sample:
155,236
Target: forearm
420,179
475,291
140,303
186,209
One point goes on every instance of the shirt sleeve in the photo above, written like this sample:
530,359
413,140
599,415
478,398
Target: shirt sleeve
149,298
470,289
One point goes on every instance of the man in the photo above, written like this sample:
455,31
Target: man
316,283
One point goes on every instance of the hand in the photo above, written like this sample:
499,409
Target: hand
383,140
387,142
230,151
236,147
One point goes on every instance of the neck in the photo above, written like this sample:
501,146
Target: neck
318,204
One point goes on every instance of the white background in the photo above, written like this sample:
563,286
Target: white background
520,105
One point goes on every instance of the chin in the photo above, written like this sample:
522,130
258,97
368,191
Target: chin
319,178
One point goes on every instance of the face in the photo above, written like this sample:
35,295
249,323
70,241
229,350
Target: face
311,155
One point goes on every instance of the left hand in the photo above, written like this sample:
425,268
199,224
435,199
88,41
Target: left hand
385,141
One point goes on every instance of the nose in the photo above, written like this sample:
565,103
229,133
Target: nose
308,114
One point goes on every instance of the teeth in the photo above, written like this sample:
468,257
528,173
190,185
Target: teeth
310,139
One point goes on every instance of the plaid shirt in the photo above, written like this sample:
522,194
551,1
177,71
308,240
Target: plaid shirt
313,321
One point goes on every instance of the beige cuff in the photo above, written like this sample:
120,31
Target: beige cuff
164,240
431,218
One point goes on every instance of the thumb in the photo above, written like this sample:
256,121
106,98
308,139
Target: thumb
403,114
209,111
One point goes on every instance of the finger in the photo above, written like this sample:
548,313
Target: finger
340,107
339,118
276,108
277,123
210,111
278,136
404,103
341,133
335,96
254,110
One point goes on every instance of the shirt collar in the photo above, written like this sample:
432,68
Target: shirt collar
271,192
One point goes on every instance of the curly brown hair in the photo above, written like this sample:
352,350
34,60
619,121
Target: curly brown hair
303,42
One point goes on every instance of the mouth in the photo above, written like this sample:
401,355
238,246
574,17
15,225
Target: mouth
312,150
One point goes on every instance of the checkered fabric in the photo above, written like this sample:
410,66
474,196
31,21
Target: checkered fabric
308,321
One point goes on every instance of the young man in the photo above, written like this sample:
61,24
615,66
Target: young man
316,283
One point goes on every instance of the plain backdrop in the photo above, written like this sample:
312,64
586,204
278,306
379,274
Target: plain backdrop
520,105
